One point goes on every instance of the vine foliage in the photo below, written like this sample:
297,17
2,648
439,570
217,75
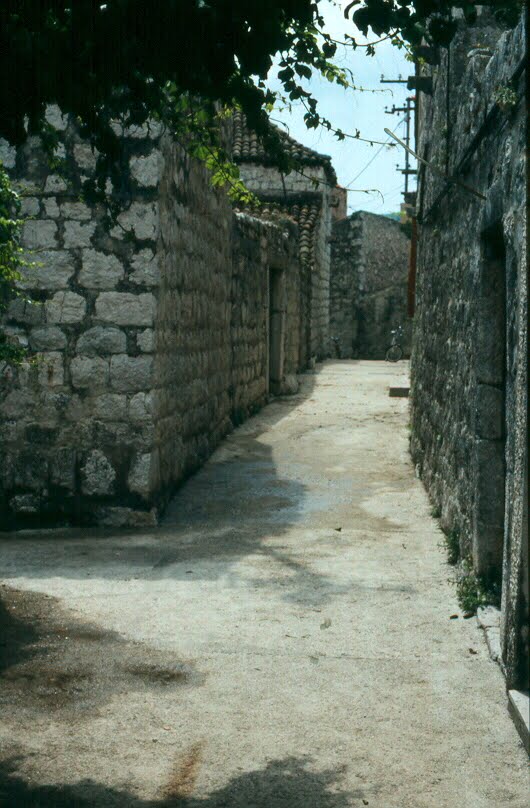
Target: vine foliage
12,263
128,61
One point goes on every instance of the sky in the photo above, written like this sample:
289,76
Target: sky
350,110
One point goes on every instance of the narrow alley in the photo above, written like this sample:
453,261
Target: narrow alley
286,638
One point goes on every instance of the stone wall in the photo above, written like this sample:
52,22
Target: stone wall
151,338
73,437
339,203
295,190
344,285
266,299
470,338
191,398
369,266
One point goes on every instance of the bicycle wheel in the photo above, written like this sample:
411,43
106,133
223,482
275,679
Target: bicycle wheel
394,353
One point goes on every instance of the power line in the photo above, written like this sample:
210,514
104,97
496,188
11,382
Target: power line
369,163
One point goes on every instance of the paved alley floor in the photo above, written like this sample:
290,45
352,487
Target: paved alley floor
282,640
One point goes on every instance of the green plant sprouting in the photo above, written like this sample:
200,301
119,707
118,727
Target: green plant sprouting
452,546
474,591
506,98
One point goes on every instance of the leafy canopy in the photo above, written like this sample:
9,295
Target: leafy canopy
132,60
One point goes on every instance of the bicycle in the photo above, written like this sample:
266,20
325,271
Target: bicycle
395,352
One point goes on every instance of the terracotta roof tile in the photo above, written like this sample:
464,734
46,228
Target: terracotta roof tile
247,147
306,214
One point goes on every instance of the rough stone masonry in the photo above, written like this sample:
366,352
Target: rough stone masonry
469,385
152,338
368,288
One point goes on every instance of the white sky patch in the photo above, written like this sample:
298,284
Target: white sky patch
350,110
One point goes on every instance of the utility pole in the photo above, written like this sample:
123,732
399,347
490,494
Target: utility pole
407,171
399,80
409,108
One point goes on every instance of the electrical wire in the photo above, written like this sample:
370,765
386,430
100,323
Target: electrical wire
369,163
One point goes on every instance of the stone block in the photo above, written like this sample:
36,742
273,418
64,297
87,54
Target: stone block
147,170
31,469
139,475
124,308
47,338
22,311
146,340
65,307
37,234
493,641
145,269
62,468
289,385
98,475
488,617
29,206
150,129
40,434
16,334
50,369
17,402
78,234
55,184
76,210
85,157
27,187
519,707
74,412
111,407
51,208
130,373
54,270
52,406
89,373
141,218
99,270
25,503
59,151
101,340
141,409
55,117
8,154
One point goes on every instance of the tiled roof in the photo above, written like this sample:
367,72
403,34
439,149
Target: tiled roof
247,146
306,214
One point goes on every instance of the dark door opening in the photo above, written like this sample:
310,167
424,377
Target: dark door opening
490,409
276,328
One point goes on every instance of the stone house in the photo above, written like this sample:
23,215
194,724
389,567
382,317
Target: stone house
311,197
152,338
368,289
469,357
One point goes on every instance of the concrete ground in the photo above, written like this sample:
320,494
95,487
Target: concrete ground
283,640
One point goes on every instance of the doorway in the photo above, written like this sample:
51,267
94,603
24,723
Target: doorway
276,329
490,408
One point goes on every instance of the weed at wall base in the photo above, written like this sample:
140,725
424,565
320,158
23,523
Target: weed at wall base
452,546
473,591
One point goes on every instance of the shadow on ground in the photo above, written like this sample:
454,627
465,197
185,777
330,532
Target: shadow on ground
287,783
231,508
55,664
